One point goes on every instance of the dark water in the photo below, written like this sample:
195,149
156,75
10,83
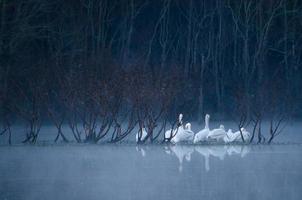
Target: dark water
151,172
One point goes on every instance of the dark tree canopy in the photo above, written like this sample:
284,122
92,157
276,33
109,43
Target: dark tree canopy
190,56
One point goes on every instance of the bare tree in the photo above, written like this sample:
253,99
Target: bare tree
31,108
5,121
241,114
120,131
57,113
278,108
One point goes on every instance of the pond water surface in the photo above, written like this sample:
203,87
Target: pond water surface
126,171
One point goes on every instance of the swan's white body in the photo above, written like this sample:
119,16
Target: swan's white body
229,137
143,135
183,134
201,136
236,137
171,133
245,134
217,134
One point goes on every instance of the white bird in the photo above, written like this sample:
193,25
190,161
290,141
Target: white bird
202,135
142,133
245,134
217,134
171,133
183,135
229,137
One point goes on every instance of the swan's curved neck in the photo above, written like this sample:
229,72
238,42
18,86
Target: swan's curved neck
180,120
207,122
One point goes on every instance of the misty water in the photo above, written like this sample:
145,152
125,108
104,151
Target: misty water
130,171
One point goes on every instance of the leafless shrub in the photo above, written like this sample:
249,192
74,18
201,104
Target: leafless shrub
56,112
267,103
241,114
89,107
31,107
258,112
151,98
278,108
5,121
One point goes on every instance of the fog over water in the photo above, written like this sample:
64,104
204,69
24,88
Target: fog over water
79,79
151,172
128,171
291,133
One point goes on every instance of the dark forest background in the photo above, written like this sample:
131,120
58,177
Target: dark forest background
139,61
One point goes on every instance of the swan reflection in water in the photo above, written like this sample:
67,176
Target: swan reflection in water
219,152
141,150
183,152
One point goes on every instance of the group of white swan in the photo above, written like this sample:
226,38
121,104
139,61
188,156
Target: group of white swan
185,134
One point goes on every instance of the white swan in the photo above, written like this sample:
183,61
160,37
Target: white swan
229,137
245,134
170,133
236,137
143,135
202,135
217,134
183,135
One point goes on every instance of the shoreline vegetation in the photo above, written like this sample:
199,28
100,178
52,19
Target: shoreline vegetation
98,66
48,134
